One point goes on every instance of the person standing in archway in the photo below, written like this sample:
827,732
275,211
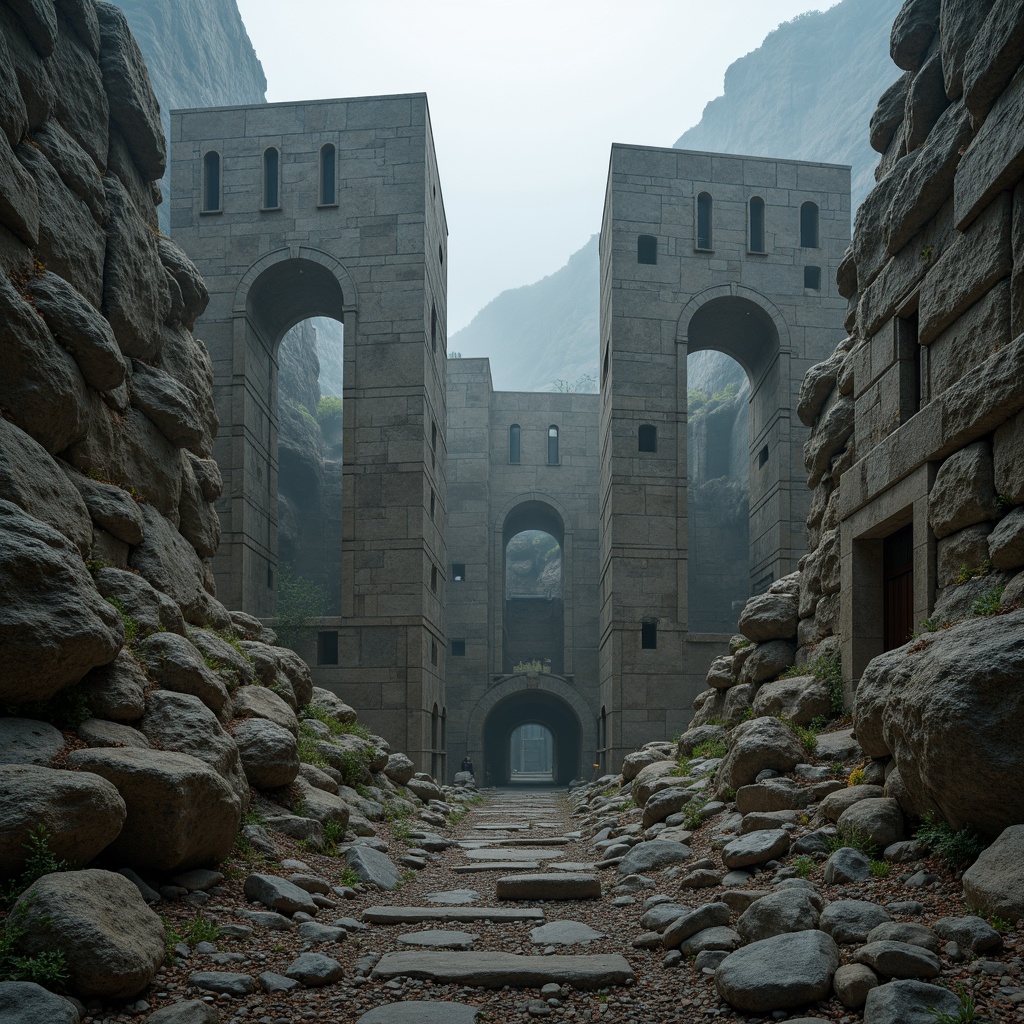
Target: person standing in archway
467,764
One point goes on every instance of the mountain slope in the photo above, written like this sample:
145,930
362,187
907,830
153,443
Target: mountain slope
806,93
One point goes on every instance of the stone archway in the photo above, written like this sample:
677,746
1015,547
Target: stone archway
540,698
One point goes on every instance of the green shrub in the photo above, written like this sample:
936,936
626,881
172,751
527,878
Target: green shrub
710,748
329,415
67,709
693,812
347,876
299,600
803,866
879,868
48,968
988,603
957,847
40,861
851,836
965,1015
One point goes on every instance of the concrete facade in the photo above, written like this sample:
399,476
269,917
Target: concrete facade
490,499
688,263
333,208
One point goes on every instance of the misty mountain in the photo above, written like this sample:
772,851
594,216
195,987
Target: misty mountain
806,93
199,55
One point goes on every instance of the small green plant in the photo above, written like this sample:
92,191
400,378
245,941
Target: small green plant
805,734
406,878
48,968
851,836
348,877
926,253
957,847
968,572
856,777
67,709
681,770
131,625
965,1015
39,861
879,868
394,811
1000,924
529,666
334,832
742,645
710,748
252,817
930,625
401,831
988,603
693,812
803,866
243,848
199,929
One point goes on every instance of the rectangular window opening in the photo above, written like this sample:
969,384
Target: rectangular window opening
908,352
433,652
458,571
458,648
812,278
327,647
649,635
762,457
433,578
433,501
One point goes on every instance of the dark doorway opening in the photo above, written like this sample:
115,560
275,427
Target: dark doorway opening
505,724
898,588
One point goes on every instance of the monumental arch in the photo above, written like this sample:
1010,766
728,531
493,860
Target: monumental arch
333,208
700,251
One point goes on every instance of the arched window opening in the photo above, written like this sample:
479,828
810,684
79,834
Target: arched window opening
271,179
646,249
809,226
757,239
647,438
704,220
211,182
514,446
328,175
552,445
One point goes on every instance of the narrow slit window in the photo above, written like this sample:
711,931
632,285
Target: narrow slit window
433,502
647,438
604,367
649,635
809,226
433,652
211,182
705,211
646,249
757,243
433,578
762,457
271,179
433,328
433,443
514,444
328,175
812,278
552,445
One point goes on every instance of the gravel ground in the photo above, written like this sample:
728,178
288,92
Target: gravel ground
659,994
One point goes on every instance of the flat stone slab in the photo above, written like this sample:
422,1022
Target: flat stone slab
478,844
498,865
439,939
26,741
417,915
554,886
454,896
564,933
572,865
514,854
495,970
501,828
420,1012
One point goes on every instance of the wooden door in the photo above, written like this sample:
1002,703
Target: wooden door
898,587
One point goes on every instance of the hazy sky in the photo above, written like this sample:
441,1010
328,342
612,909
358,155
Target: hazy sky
525,100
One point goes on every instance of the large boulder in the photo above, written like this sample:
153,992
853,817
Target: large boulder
994,883
261,702
113,944
879,821
769,617
909,1002
175,663
80,813
799,698
779,973
181,812
269,753
399,769
756,745
54,626
948,708
787,910
654,777
25,1002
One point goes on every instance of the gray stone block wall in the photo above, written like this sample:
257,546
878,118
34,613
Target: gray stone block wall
488,497
374,260
752,306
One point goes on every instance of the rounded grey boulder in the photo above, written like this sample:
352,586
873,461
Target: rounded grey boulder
779,973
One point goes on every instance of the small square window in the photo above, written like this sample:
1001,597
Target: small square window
812,278
458,648
458,571
327,647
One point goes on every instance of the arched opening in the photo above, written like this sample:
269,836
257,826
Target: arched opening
328,175
295,315
211,182
731,430
809,225
756,225
705,211
535,730
531,754
271,179
533,626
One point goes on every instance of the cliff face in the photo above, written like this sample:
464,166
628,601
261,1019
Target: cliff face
806,93
198,54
